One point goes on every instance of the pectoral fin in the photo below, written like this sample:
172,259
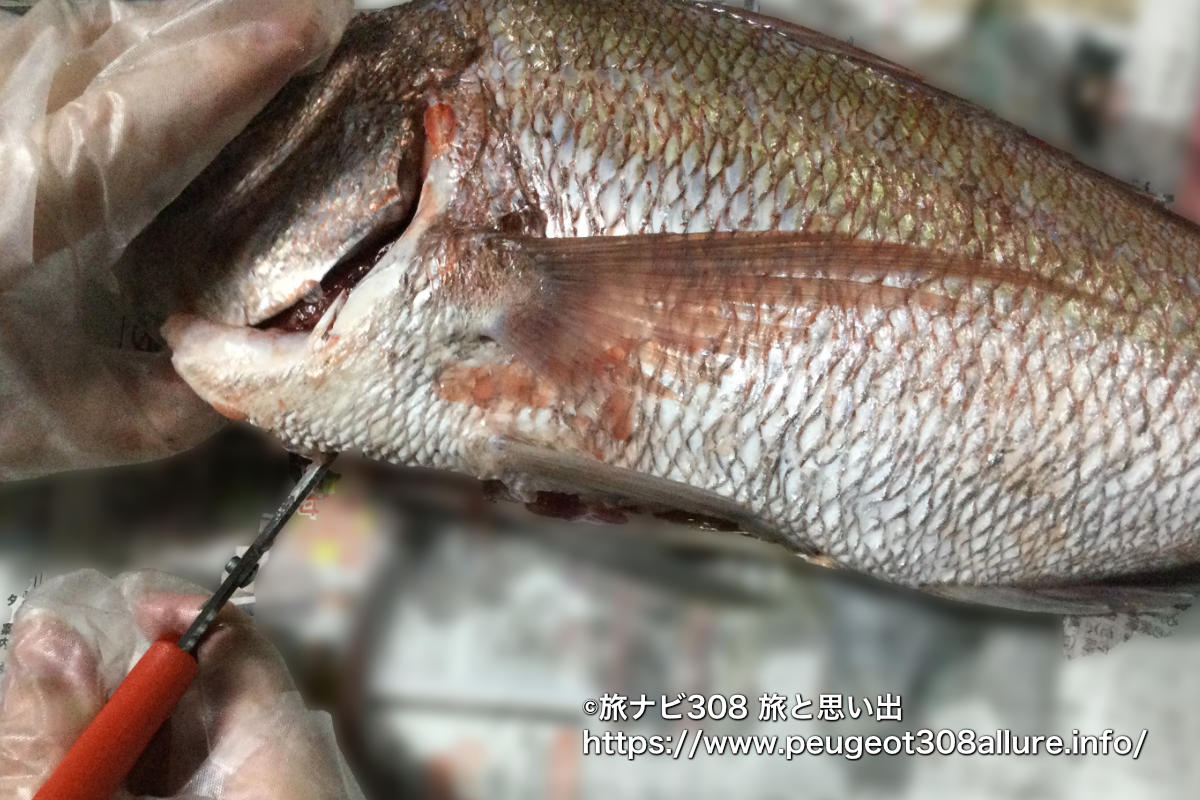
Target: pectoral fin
717,294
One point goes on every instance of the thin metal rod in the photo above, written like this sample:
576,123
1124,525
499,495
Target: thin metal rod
243,570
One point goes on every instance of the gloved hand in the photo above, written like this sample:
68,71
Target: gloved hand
107,111
241,730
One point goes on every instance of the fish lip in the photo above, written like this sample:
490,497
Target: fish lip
175,329
229,366
263,311
185,333
210,353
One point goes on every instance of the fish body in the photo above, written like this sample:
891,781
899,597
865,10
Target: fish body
652,247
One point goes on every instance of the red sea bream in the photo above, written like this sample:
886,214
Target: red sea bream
693,258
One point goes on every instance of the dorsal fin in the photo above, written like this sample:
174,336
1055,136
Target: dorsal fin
807,37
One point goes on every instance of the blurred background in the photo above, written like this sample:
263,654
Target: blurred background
455,639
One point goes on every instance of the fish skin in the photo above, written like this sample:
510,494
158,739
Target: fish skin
1043,429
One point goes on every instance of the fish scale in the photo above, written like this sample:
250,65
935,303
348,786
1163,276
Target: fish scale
979,367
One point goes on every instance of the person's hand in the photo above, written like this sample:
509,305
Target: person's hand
107,111
241,730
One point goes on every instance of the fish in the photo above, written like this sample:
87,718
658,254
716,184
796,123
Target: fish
685,257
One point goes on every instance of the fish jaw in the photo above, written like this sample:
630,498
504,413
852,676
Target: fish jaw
364,378
234,368
368,388
315,391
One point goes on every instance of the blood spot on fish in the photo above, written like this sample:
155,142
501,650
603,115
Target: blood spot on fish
489,386
616,416
441,124
483,390
573,507
557,505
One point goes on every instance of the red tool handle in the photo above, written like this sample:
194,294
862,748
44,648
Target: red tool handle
103,755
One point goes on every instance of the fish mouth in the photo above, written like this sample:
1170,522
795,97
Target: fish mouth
250,371
316,298
228,365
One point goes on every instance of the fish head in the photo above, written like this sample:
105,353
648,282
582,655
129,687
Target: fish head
299,298
321,180
360,378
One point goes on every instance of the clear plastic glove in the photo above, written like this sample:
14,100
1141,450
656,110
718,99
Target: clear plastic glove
107,111
240,731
